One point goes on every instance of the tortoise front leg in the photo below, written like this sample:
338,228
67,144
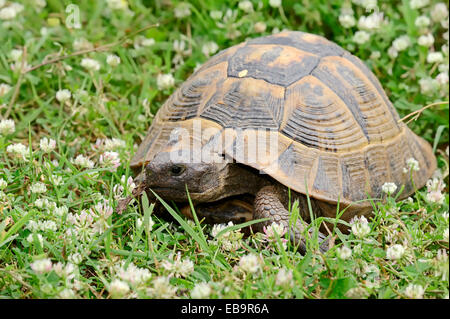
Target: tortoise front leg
269,204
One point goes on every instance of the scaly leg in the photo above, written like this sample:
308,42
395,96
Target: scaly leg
269,204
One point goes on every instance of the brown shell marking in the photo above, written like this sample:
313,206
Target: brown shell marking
280,65
245,103
318,118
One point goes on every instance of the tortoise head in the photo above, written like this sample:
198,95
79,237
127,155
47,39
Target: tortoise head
168,175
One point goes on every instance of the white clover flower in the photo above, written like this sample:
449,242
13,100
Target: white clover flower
63,95
389,188
369,5
392,52
414,291
147,42
445,215
56,180
246,6
444,50
230,240
42,266
76,258
426,40
412,165
249,263
179,268
401,43
361,37
422,22
428,85
40,3
32,225
182,10
101,212
90,64
110,159
445,235
19,66
217,228
347,20
133,275
162,288
109,144
344,252
357,293
259,27
61,211
4,89
16,55
272,231
7,127
435,196
3,184
371,22
284,277
117,4
129,184
347,9
440,265
17,6
118,288
82,44
30,239
375,55
165,81
439,12
41,203
113,60
435,57
67,271
210,48
48,225
417,4
180,45
38,188
216,14
360,226
201,291
7,13
18,150
47,145
395,252
442,78
140,222
275,3
66,293
82,161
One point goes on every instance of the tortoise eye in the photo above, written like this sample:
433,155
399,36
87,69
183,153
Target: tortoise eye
176,170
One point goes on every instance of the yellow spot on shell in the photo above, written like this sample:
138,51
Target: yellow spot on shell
242,73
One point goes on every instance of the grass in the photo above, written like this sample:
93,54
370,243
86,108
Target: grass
63,240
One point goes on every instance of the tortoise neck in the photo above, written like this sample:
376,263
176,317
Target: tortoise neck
241,179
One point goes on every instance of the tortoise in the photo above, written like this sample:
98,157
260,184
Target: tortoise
338,137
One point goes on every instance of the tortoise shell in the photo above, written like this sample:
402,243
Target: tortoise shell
339,136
